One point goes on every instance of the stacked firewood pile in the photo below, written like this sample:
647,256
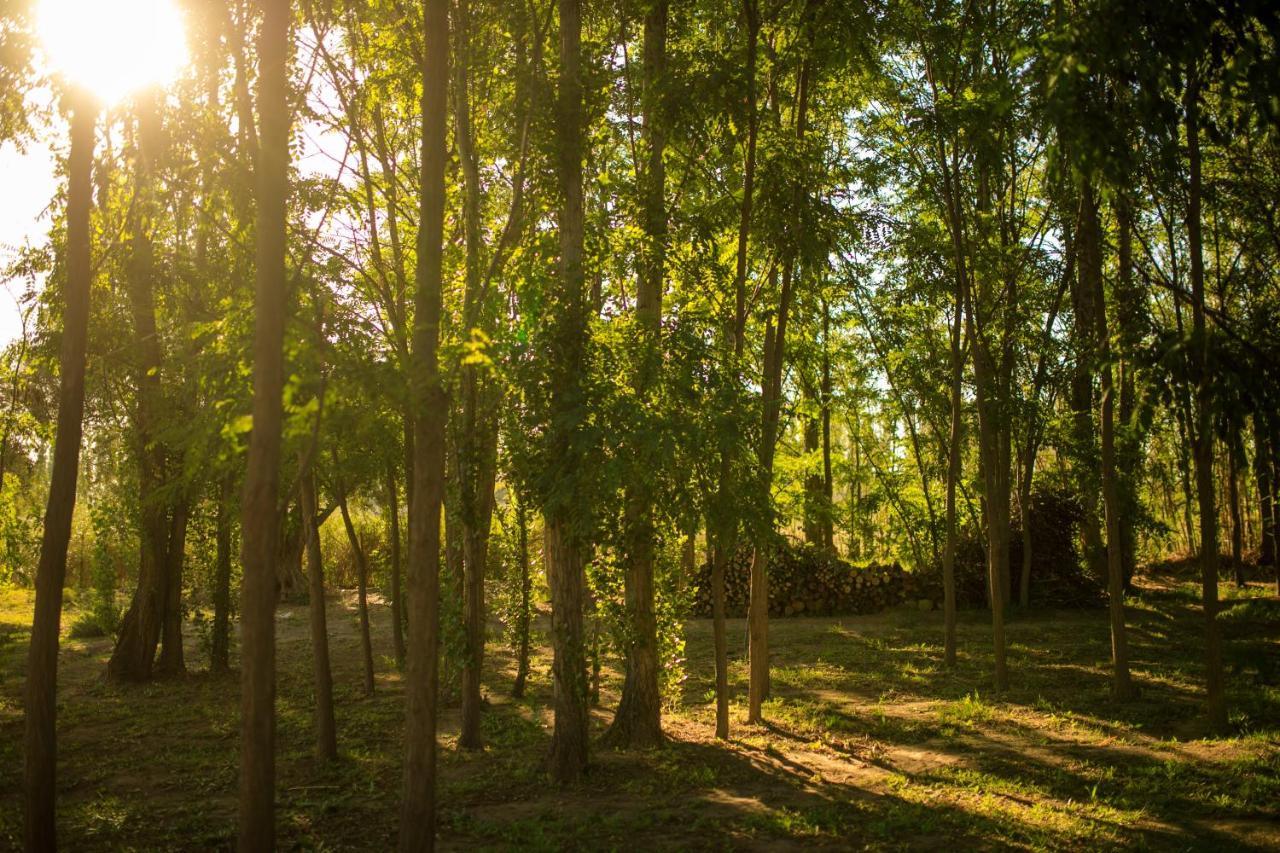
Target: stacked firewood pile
806,581
1059,577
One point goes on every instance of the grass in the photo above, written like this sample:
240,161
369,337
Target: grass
871,743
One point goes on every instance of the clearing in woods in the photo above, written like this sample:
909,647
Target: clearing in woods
871,744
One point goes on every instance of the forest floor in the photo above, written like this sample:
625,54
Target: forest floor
871,744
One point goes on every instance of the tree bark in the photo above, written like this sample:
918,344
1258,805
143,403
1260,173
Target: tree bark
260,514
771,399
953,467
326,728
814,482
824,400
1265,476
1083,444
397,602
1090,245
524,617
565,550
726,524
478,443
220,651
1233,499
418,808
171,662
40,754
362,590
1202,440
133,658
638,721
1130,309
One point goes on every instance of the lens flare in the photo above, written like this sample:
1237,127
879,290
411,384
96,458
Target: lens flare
113,47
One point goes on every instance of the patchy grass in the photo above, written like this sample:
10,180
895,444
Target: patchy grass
871,744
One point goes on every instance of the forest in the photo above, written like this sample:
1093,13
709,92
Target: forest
640,424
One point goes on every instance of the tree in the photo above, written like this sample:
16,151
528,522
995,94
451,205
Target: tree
638,718
39,769
417,809
564,536
259,514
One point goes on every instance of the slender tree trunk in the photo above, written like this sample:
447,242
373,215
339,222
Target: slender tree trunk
260,523
133,658
565,550
1233,499
953,472
524,618
362,590
326,728
1272,426
1090,245
171,662
476,528
771,384
726,526
828,481
1215,700
397,602
40,764
1130,307
638,721
997,496
220,653
1083,440
1186,438
814,482
1265,478
418,808
477,445
720,638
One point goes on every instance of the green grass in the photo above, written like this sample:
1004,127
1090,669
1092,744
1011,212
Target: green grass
871,743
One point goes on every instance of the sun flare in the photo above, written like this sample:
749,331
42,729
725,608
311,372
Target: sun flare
113,47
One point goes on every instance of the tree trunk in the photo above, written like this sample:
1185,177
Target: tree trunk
568,758
726,525
397,602
1233,498
171,662
953,469
1090,245
326,728
997,493
771,399
1265,476
525,615
477,445
362,590
418,808
1130,308
638,721
133,657
40,766
828,481
260,520
220,652
1084,449
1215,700
814,483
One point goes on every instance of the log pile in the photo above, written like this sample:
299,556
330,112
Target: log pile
1059,578
806,581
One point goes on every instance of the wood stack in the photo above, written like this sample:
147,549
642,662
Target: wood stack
806,581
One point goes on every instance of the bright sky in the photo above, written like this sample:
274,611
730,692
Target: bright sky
28,176
29,184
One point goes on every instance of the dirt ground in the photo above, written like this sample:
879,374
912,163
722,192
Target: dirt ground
870,744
